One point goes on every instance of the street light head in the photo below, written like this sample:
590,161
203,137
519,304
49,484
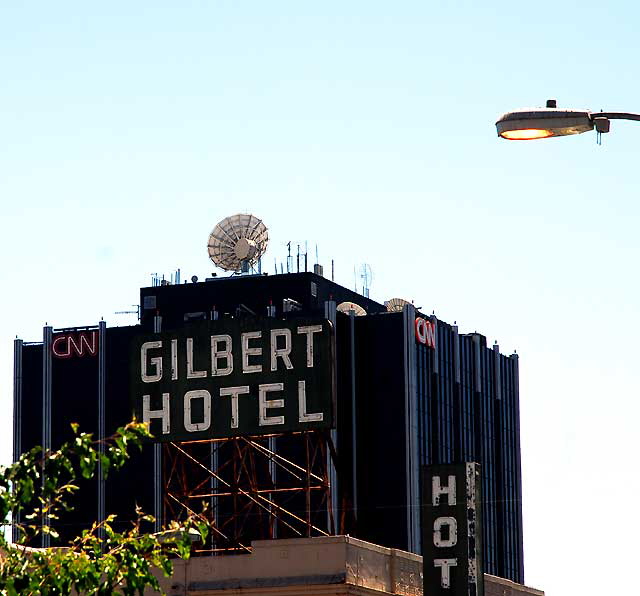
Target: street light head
540,123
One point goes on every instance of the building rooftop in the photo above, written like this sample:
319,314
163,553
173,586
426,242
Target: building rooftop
336,565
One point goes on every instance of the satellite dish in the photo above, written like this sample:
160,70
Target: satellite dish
237,242
395,304
346,307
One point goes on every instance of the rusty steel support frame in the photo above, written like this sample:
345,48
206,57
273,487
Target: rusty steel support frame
241,498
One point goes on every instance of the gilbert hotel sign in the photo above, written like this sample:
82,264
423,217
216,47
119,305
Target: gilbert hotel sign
235,377
451,530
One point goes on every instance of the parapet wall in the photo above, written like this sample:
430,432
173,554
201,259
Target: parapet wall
325,565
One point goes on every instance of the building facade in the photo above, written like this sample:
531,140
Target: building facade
410,390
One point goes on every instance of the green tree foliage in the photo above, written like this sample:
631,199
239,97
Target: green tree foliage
39,487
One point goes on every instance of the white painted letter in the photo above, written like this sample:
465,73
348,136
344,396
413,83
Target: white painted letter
234,392
449,490
192,374
438,524
264,404
189,425
444,564
280,352
302,406
309,331
156,362
217,354
148,413
247,351
174,359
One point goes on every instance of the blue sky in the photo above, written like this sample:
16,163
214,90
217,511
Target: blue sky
366,128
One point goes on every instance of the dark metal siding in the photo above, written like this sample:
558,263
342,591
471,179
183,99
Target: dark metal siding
469,417
381,432
255,292
121,497
30,422
74,398
31,431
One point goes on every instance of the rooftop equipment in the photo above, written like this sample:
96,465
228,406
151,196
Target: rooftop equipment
347,307
238,242
396,304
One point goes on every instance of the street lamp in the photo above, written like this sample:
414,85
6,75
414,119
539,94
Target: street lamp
539,123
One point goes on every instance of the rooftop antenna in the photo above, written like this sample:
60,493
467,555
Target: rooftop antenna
130,312
366,276
306,252
332,271
298,260
237,242
289,256
317,268
175,277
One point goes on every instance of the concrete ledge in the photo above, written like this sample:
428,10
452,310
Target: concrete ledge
499,586
336,565
268,582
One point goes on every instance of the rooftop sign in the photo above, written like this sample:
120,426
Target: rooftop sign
425,332
75,344
235,377
451,530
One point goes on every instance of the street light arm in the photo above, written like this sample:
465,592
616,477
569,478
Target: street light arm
615,115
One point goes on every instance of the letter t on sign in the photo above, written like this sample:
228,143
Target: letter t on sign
444,564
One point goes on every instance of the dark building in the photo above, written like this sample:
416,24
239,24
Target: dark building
411,391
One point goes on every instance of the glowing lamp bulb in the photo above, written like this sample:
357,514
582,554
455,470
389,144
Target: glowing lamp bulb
526,134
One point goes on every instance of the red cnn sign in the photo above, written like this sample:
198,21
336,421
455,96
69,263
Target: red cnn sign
77,344
425,332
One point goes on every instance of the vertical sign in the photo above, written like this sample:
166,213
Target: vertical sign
452,530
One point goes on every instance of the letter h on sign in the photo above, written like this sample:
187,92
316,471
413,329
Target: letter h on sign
451,530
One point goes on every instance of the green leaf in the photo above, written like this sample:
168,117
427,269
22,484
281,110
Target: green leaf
99,561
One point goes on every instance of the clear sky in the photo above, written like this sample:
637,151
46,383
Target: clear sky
127,130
